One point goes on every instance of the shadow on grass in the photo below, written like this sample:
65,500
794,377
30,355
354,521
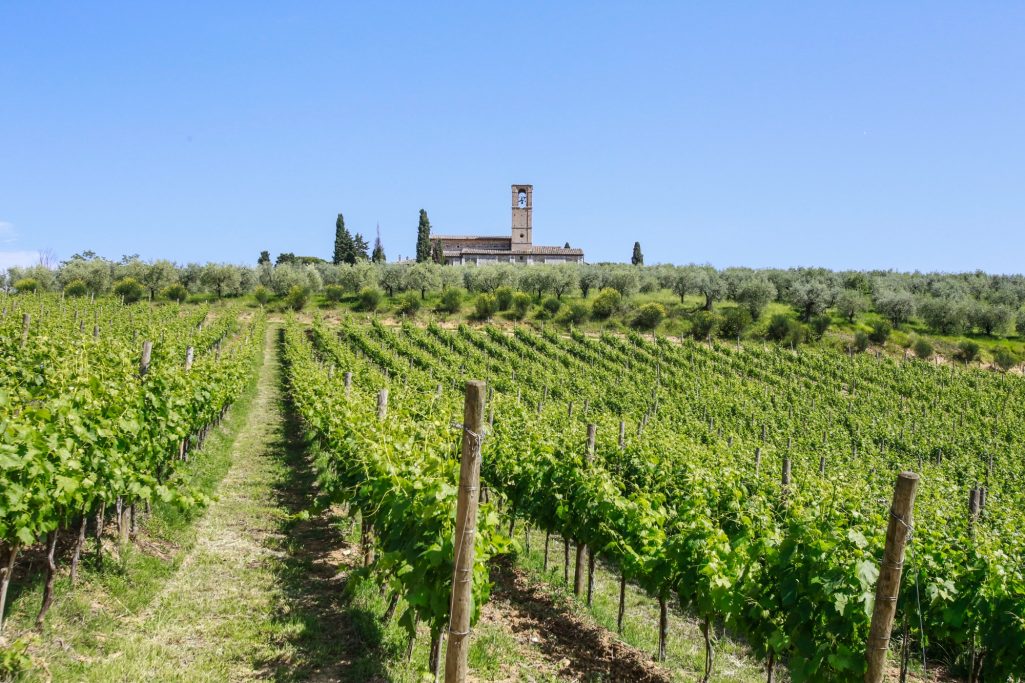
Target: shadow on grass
330,625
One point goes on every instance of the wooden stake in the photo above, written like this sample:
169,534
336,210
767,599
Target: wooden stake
382,404
578,576
147,352
466,524
26,322
190,355
348,383
622,602
890,569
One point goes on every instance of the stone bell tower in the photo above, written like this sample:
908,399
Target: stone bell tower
522,219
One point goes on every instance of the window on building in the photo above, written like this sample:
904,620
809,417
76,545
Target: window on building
522,199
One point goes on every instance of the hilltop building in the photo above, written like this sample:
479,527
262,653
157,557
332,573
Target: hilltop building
518,247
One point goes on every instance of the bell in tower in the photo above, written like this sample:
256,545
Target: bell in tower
522,221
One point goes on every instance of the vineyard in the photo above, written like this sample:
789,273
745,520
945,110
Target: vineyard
748,486
752,485
101,405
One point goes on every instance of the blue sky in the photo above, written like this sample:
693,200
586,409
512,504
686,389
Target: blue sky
861,135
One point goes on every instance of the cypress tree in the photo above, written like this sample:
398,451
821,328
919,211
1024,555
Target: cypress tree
423,238
344,248
638,258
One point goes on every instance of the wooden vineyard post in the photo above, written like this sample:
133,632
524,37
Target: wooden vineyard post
190,354
578,574
26,322
622,434
890,569
348,383
466,525
382,404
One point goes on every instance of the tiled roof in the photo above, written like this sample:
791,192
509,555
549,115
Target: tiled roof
528,251
490,238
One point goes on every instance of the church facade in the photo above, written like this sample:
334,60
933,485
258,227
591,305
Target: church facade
518,247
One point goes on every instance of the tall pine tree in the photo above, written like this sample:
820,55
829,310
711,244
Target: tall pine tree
378,255
359,249
344,251
423,238
638,258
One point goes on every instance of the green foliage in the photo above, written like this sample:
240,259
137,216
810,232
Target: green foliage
968,351
735,322
76,288
485,306
922,348
520,305
850,303
368,299
574,313
129,289
880,333
26,285
334,293
504,296
262,295
785,330
704,324
408,304
649,316
296,298
860,341
819,324
755,294
175,292
606,303
637,258
423,238
264,258
1005,358
15,660
551,305
451,300
345,248
897,306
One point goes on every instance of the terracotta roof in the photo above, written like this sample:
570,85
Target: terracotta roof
530,251
490,238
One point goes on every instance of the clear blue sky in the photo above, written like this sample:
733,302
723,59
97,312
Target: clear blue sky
863,135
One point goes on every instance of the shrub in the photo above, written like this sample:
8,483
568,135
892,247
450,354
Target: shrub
520,305
703,324
296,298
968,351
26,285
451,300
76,288
485,306
734,322
551,305
606,303
504,297
819,324
408,304
860,341
785,330
368,299
648,316
334,293
922,349
1005,359
176,292
262,295
573,314
880,332
128,288
1019,325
